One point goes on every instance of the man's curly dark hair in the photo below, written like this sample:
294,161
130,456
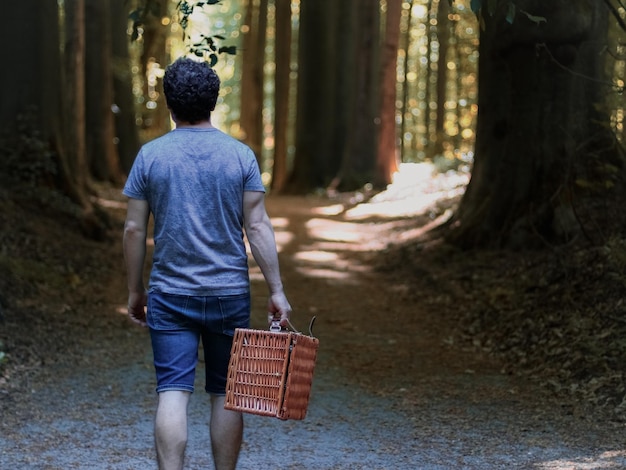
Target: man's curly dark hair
191,89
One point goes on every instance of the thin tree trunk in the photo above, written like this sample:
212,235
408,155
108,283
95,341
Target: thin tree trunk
127,136
253,77
458,138
387,159
259,80
156,120
405,82
76,95
100,144
443,37
247,68
428,122
282,92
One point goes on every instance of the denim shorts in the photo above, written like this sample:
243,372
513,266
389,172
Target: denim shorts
177,322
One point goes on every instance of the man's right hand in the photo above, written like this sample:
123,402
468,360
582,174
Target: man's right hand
136,307
278,309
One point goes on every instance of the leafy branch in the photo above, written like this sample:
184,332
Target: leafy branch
478,7
207,46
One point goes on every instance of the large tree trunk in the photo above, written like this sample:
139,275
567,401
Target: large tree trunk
281,93
343,101
359,161
41,83
539,124
35,98
100,124
314,159
35,78
387,160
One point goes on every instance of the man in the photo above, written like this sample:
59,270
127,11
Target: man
203,189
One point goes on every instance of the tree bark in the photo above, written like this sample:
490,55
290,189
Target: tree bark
253,77
405,81
539,127
359,161
75,78
155,120
443,37
281,93
35,77
100,125
387,159
314,159
127,136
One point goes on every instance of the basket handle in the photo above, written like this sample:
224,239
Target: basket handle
275,326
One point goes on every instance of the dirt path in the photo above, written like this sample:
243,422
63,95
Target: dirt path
390,392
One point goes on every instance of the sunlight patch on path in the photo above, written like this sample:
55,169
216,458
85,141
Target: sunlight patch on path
416,189
611,459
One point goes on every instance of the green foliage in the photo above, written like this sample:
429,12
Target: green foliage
138,16
207,46
478,7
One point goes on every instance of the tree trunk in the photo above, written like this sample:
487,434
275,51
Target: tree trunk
443,37
359,161
405,82
247,68
387,159
35,79
75,78
539,126
155,118
253,77
127,137
423,143
316,97
281,93
342,102
100,125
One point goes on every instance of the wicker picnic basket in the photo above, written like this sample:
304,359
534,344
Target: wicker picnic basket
271,372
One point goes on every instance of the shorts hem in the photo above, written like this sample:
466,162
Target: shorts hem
174,388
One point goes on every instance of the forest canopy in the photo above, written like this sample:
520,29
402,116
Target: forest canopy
525,95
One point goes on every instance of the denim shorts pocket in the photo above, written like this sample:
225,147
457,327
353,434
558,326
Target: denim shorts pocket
235,312
166,312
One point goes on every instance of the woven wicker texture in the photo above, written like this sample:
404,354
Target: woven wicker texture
270,373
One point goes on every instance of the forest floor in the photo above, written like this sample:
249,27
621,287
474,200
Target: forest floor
430,358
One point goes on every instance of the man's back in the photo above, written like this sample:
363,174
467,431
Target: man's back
194,180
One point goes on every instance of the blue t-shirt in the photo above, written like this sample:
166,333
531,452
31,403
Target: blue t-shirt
193,180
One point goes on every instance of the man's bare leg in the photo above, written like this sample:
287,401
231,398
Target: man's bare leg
170,429
226,434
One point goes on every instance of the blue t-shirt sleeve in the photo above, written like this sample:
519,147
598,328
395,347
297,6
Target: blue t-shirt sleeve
135,186
253,181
